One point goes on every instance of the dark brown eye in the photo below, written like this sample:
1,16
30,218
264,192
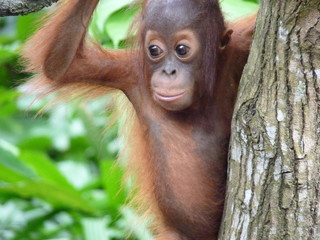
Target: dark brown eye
182,50
155,51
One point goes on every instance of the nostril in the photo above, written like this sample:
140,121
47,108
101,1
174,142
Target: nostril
169,71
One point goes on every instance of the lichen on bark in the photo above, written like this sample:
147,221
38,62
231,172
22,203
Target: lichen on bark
274,162
22,7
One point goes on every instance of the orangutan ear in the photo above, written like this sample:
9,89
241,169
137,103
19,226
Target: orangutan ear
226,38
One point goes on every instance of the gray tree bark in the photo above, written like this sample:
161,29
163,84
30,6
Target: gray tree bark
22,7
274,161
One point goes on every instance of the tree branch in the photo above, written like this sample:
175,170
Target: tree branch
22,7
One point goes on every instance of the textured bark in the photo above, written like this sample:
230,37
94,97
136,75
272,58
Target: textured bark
22,7
274,162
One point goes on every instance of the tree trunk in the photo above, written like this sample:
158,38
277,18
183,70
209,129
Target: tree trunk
274,162
22,7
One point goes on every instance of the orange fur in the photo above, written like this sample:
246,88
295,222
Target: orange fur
185,192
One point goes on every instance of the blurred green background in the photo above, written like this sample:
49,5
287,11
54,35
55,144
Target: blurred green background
58,175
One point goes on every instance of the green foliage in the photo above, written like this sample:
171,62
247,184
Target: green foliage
58,175
234,9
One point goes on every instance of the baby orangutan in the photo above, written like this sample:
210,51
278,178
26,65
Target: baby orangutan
182,82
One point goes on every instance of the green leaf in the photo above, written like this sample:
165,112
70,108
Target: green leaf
40,143
10,176
45,168
45,181
233,9
6,55
26,25
119,23
9,158
58,196
7,100
112,176
254,1
105,9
